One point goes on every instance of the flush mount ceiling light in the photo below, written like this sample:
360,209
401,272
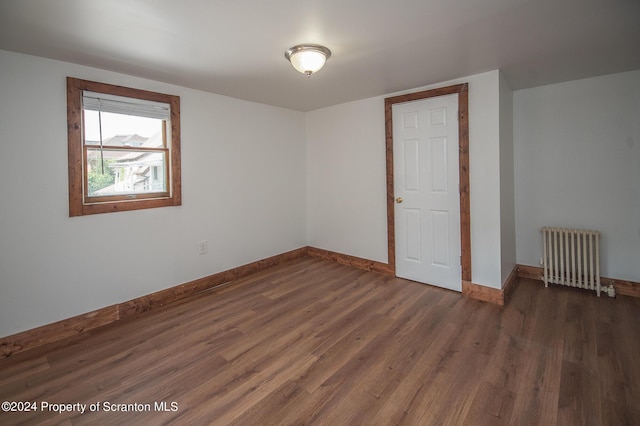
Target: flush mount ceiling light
307,58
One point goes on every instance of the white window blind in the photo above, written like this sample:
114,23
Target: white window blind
122,105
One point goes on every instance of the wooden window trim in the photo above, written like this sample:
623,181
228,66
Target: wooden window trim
77,204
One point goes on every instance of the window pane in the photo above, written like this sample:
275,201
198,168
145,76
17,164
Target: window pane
122,130
120,172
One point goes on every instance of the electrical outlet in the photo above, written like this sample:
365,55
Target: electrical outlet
203,247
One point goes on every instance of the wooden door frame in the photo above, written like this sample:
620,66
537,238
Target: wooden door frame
462,90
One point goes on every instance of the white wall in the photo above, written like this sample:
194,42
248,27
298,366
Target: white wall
507,195
346,180
577,164
243,181
346,192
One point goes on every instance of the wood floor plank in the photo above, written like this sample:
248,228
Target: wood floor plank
313,342
538,382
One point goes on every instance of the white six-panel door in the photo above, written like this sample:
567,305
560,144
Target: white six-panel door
426,187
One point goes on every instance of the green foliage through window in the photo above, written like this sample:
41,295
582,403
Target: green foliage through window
100,177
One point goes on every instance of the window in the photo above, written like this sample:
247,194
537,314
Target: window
124,148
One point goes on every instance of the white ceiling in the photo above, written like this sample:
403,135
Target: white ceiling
236,48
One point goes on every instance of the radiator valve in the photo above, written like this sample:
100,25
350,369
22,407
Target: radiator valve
611,291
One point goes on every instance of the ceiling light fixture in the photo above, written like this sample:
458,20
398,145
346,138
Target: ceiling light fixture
307,58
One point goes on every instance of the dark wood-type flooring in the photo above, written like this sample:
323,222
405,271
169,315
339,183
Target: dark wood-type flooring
315,342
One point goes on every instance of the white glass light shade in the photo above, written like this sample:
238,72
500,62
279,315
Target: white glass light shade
308,62
308,58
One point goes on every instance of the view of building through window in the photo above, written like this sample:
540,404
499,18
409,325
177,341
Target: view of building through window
114,165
